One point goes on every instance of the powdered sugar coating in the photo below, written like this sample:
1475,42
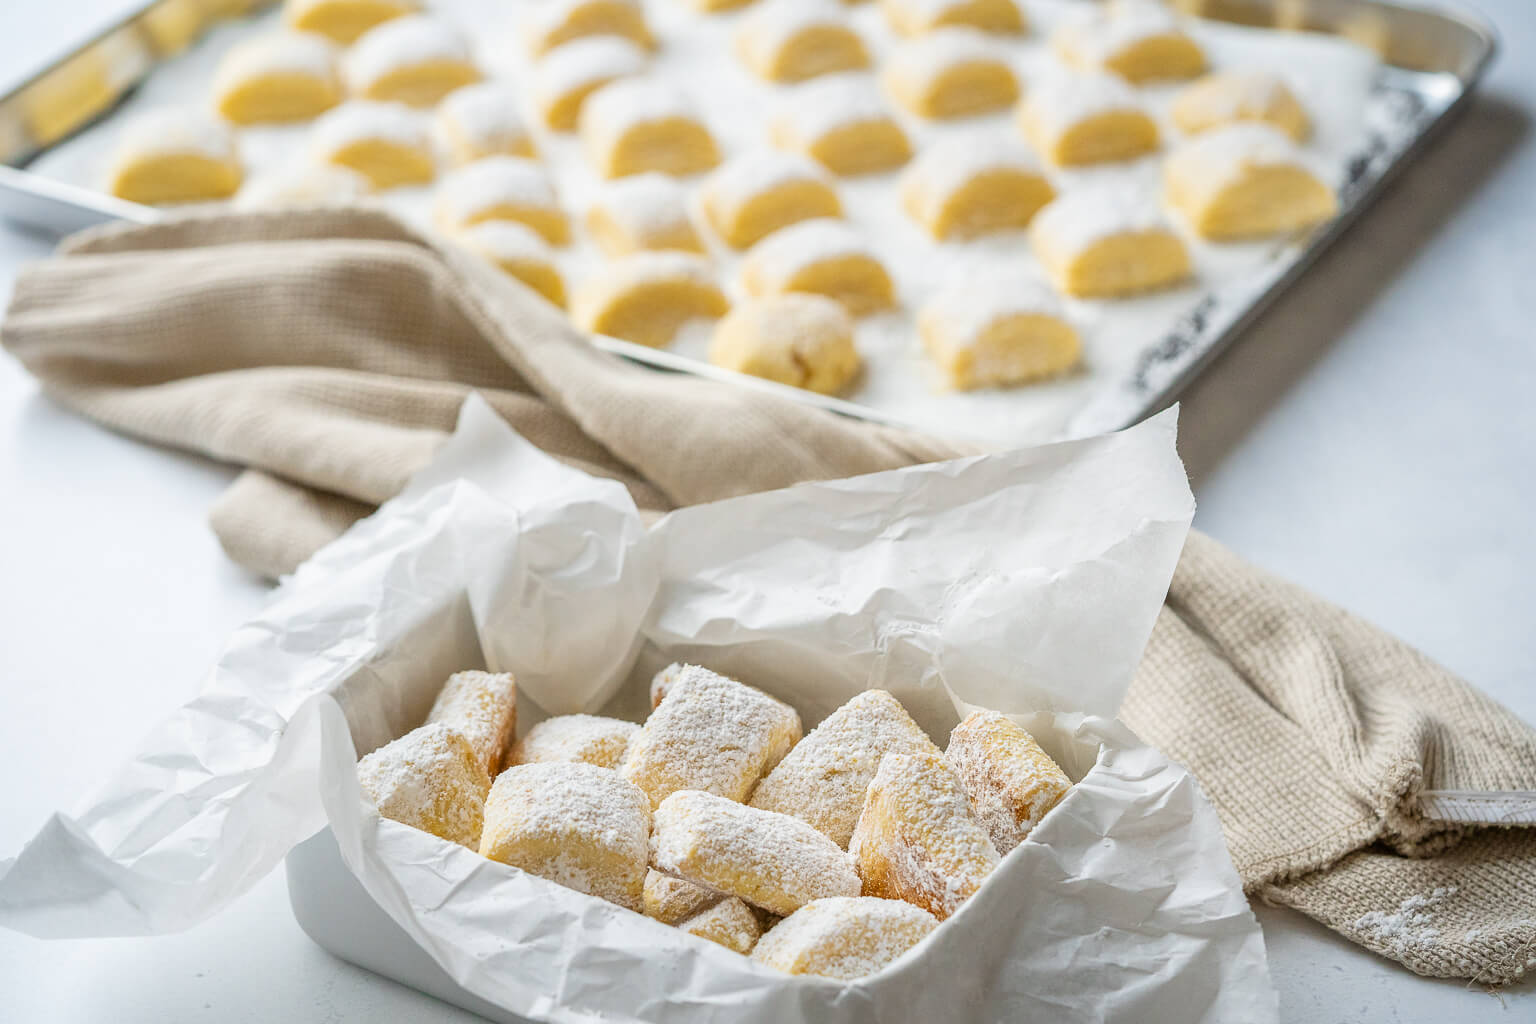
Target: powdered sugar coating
730,923
968,309
844,937
291,53
927,57
1110,30
430,779
366,120
829,104
822,781
1058,103
584,64
590,739
1212,160
674,900
773,33
466,194
949,164
768,26
710,733
482,119
617,108
577,825
916,839
401,43
1010,781
176,131
749,176
482,707
770,860
552,22
778,258
645,210
1080,218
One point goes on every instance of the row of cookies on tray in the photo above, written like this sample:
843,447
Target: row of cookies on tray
830,854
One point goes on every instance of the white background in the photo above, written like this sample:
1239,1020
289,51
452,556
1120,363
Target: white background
1374,438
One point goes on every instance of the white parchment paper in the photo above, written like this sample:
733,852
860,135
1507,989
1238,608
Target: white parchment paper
1026,582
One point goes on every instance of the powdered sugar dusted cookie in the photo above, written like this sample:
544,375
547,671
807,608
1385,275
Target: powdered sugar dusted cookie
1245,181
304,184
1102,242
1233,97
729,923
344,20
822,781
645,298
844,937
387,143
501,188
769,860
568,74
673,900
954,72
481,707
430,779
576,825
916,840
175,156
590,739
518,251
643,212
995,332
1009,780
792,40
843,123
639,124
1087,119
805,341
481,120
825,257
554,22
967,186
915,17
710,733
756,194
285,76
416,60
1139,40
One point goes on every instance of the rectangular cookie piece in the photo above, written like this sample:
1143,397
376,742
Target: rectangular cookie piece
710,733
822,781
482,706
1009,780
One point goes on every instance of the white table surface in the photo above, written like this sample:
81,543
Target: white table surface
1373,438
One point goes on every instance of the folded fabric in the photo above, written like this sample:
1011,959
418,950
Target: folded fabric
328,351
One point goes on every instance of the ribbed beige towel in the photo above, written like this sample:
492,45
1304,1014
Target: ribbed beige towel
328,353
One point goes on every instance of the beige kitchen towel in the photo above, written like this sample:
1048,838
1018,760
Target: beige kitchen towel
328,352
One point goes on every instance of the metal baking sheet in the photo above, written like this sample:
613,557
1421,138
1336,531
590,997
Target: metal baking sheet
1431,60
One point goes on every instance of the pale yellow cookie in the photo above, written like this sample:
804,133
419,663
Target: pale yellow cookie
646,297
304,184
673,900
518,251
430,779
387,143
710,733
481,707
638,124
825,257
756,194
576,825
481,120
916,840
822,781
344,20
416,60
805,341
1087,119
1098,242
915,17
1230,97
997,332
553,22
729,922
501,188
1245,181
286,76
1009,780
175,156
792,40
844,937
643,212
590,739
966,186
1139,40
770,860
843,123
954,72
568,74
